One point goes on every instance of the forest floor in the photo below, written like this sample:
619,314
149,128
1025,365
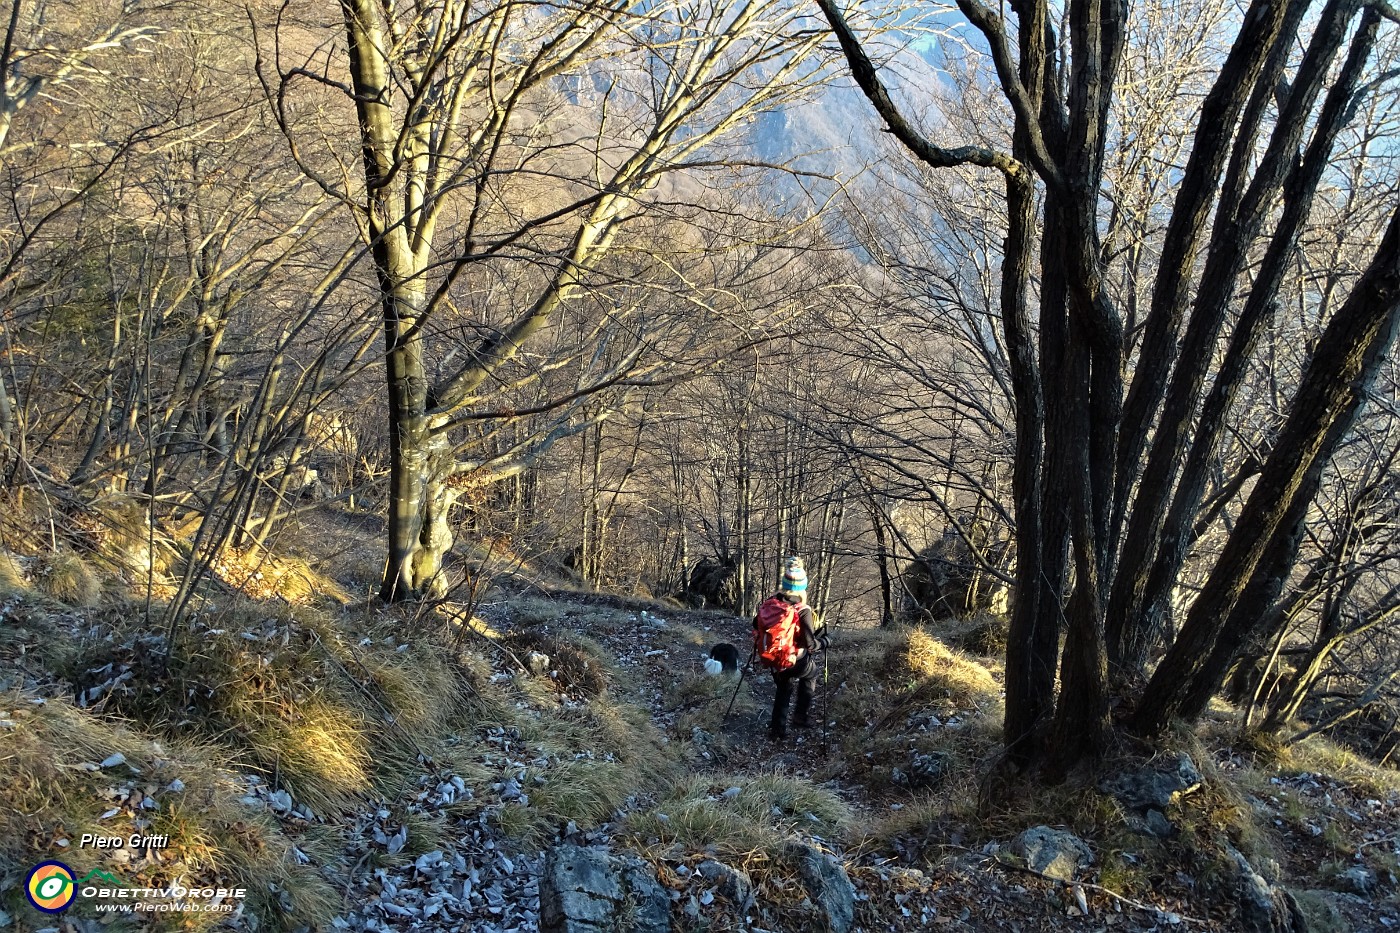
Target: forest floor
915,846
362,768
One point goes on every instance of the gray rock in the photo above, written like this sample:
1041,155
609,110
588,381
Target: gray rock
1152,823
731,882
828,886
647,907
1154,788
586,890
1338,912
1356,880
1264,907
579,890
927,770
1052,852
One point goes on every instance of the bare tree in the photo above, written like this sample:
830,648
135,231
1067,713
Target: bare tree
1110,468
449,100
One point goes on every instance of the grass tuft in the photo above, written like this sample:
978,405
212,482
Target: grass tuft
575,666
938,669
67,578
53,788
12,577
1318,753
327,710
703,811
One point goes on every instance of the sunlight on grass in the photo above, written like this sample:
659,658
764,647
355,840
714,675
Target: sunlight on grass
706,810
64,772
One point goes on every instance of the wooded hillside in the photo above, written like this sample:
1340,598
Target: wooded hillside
1058,335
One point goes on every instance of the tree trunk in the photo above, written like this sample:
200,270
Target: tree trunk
1261,549
1034,630
882,560
1161,523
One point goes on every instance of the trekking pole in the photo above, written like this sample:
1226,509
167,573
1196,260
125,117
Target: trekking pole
742,673
826,693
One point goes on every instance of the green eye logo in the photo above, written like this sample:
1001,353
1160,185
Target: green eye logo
49,887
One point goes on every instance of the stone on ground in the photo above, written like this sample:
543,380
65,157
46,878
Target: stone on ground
732,883
1156,787
1264,907
828,886
1052,852
587,890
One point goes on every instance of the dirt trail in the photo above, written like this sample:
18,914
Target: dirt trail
659,650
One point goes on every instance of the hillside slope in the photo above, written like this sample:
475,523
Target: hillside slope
370,769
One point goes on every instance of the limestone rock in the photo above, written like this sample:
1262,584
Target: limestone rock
587,890
927,770
732,883
828,886
1052,852
1356,880
1264,907
579,891
647,906
1152,823
1154,788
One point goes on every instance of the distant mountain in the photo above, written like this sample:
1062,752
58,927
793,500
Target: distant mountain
837,132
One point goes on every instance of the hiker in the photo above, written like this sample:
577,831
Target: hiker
787,637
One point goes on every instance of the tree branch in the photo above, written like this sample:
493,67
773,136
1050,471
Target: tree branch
992,28
863,70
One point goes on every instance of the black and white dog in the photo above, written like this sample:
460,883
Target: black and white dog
723,659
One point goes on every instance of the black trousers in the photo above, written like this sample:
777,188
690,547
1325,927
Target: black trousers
803,677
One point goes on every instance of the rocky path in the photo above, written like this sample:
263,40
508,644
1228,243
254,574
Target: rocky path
480,881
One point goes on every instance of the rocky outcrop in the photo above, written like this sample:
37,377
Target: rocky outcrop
1146,793
713,584
588,890
1052,852
1265,907
731,883
1156,787
828,886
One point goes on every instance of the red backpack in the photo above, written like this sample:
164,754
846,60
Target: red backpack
775,634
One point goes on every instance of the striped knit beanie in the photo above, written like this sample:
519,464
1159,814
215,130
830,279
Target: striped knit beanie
794,577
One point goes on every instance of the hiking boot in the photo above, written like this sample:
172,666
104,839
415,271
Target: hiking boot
777,734
803,723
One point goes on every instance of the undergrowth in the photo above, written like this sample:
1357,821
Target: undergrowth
65,772
328,708
734,815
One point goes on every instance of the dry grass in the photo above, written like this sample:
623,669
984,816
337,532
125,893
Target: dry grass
575,670
52,789
600,754
584,790
699,702
984,634
896,688
1320,754
259,574
938,669
116,528
703,811
13,580
67,578
327,709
